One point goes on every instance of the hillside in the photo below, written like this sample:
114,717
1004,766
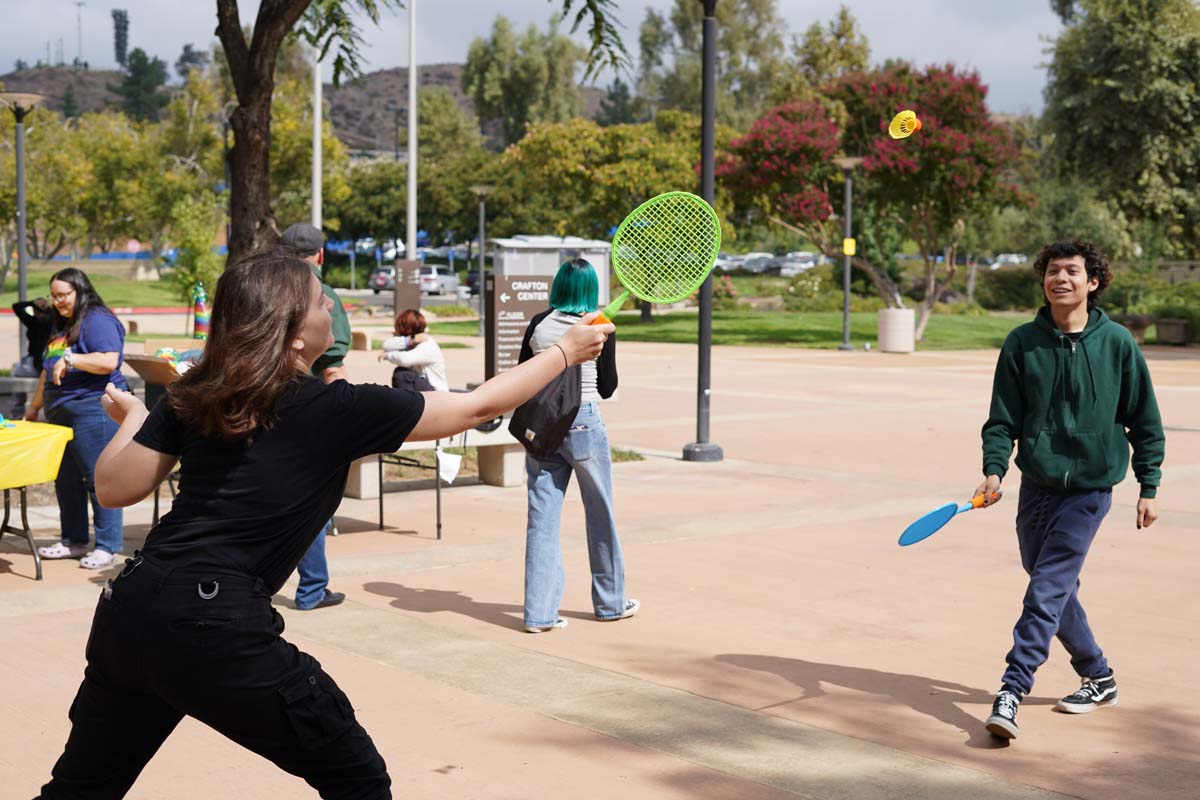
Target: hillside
90,86
366,113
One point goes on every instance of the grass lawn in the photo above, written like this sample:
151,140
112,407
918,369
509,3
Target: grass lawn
816,329
822,329
466,327
115,290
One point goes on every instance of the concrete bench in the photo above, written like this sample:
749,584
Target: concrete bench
501,462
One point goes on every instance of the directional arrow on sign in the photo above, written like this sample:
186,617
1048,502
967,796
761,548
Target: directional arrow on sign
504,296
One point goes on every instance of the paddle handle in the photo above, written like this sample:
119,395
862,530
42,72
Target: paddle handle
610,311
977,502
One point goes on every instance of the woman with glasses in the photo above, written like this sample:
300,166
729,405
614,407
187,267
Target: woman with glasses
82,357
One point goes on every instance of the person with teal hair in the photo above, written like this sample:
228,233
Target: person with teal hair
584,452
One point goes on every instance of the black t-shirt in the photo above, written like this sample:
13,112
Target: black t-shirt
256,505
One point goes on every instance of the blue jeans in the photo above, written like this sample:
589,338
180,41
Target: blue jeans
585,452
76,481
1055,533
314,572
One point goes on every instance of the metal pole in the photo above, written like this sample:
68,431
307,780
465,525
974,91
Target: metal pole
479,286
411,245
845,345
316,165
22,252
702,449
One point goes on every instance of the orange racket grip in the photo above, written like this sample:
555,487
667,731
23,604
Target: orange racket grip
601,320
977,501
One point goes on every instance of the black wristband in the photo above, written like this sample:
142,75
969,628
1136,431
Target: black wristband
566,361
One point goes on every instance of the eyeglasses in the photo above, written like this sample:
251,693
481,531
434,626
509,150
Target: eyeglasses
57,297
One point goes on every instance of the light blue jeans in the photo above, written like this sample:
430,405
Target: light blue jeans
585,452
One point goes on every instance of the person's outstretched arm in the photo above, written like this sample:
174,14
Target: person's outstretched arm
127,471
448,413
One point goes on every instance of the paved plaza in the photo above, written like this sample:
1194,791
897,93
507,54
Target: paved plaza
786,647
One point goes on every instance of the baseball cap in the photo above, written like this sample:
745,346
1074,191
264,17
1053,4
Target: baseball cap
303,239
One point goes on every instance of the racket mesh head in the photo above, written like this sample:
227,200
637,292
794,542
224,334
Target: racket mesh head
665,249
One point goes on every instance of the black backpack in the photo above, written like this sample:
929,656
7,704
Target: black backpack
541,423
405,378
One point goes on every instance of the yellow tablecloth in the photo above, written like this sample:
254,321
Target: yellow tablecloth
31,452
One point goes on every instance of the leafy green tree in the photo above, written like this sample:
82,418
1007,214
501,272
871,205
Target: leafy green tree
70,106
524,79
190,59
616,108
1122,105
195,222
955,171
822,55
751,57
327,25
376,202
120,19
140,89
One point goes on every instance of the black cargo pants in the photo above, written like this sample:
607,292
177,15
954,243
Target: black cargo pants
172,641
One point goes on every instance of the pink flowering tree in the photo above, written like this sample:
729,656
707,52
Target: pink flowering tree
926,188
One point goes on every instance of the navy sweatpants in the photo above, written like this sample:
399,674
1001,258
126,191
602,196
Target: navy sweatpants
1054,533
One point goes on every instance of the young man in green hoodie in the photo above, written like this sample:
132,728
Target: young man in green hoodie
1073,391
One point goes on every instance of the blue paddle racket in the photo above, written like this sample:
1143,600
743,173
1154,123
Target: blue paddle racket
932,522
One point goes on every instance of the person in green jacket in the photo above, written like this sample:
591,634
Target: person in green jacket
1072,390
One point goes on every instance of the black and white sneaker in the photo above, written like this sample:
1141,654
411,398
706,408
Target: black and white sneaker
1003,721
1094,693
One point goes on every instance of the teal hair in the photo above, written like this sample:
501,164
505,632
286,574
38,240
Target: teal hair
575,289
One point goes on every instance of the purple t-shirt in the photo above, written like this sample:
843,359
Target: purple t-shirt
100,332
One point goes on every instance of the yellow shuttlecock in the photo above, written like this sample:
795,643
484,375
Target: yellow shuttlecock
904,124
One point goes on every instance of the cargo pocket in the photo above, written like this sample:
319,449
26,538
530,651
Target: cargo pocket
317,709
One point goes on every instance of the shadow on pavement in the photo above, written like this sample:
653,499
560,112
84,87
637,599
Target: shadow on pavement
929,696
428,601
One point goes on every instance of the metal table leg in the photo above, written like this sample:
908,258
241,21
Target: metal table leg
25,529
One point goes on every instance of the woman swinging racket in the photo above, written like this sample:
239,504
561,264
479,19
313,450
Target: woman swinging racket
188,627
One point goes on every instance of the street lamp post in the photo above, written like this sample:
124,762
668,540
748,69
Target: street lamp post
847,165
702,449
481,190
21,103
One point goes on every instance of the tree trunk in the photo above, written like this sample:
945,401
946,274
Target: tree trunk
888,290
933,287
647,311
252,223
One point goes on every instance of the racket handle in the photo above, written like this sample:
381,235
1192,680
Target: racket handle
977,501
609,313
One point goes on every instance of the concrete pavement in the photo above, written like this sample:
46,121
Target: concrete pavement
786,647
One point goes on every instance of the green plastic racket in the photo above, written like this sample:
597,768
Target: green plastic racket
664,250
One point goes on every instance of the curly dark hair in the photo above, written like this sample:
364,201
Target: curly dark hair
1093,261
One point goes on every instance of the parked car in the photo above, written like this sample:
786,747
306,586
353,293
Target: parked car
473,278
756,262
382,278
792,264
1008,258
438,279
727,262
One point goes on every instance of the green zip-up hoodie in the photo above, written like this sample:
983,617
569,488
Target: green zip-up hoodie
1074,408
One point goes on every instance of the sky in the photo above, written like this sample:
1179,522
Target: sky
1004,41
